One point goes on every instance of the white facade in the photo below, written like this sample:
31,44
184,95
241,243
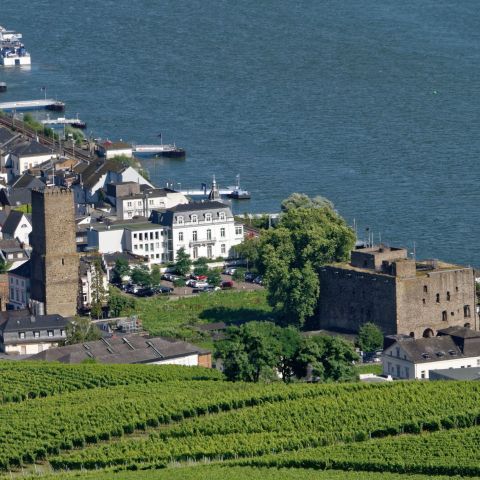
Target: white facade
186,361
148,240
142,206
29,348
208,234
23,230
21,164
87,280
106,240
396,363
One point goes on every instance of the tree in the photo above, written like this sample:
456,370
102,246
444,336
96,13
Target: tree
325,359
119,304
155,275
300,200
80,330
183,262
120,270
249,251
239,275
3,266
141,276
214,277
98,291
201,266
370,337
291,255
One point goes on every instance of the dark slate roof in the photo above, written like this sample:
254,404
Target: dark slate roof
28,181
432,349
121,349
10,245
12,222
24,270
461,332
22,320
471,373
93,172
3,216
111,258
15,196
29,149
198,206
6,135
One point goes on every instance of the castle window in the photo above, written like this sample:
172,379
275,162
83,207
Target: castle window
425,289
438,298
452,314
423,300
456,289
63,261
448,296
444,316
466,311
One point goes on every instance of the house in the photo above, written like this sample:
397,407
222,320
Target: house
131,349
203,229
12,253
95,177
88,282
17,226
19,286
132,199
454,347
110,149
26,155
15,197
400,295
26,334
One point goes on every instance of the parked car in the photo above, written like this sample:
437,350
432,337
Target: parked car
229,271
227,284
250,276
201,284
145,292
198,277
162,289
258,280
132,288
191,283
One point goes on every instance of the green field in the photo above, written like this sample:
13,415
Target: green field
179,318
168,422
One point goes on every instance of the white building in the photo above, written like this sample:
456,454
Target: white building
134,199
19,286
88,274
27,155
454,347
114,149
17,226
203,229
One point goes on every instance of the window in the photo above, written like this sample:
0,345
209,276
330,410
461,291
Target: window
180,236
195,252
139,203
134,235
146,247
151,246
157,244
129,204
50,333
448,296
208,217
423,300
62,333
209,234
221,215
180,220
444,316
238,230
209,251
21,335
422,374
135,247
152,256
437,298
194,219
194,235
36,334
407,372
156,235
63,261
222,248
222,232
140,236
157,255
425,289
150,202
466,311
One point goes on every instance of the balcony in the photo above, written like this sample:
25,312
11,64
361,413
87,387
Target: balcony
202,242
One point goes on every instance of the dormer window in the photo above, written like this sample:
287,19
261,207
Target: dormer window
208,217
180,220
194,219
221,215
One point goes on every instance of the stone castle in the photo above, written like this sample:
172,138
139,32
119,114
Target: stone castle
402,296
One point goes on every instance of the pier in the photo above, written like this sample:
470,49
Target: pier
25,105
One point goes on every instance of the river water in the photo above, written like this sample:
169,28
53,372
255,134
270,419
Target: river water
372,104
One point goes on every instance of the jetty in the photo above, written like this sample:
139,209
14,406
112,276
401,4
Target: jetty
234,192
25,105
62,121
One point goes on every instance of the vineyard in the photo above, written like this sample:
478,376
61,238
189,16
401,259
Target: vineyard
183,422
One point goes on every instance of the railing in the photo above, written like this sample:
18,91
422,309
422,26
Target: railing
203,241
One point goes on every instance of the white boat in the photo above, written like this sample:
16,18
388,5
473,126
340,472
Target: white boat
12,50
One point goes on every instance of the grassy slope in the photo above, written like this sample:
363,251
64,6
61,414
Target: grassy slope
178,318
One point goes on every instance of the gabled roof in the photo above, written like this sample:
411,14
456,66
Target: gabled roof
460,332
6,135
198,208
121,349
24,270
10,245
93,172
22,320
432,349
30,149
16,196
111,258
28,181
12,222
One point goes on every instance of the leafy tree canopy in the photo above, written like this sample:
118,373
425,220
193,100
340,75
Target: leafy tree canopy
141,276
201,266
120,270
370,337
80,330
300,200
214,277
183,262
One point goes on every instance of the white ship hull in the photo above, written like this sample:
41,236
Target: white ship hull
15,61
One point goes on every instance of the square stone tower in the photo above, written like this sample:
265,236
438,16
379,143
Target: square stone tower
54,260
